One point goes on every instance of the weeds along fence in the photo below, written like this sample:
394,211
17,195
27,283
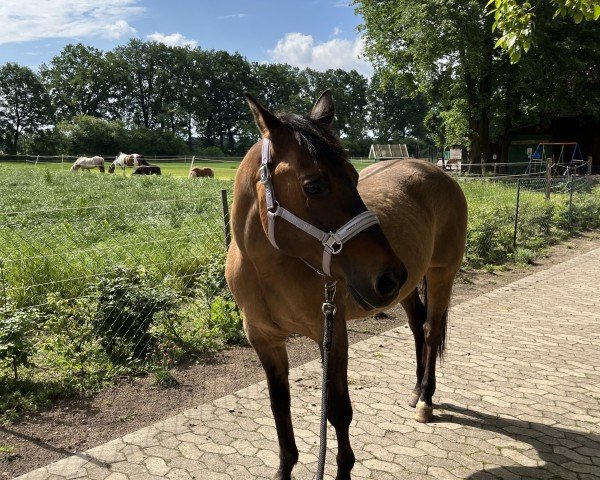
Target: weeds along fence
107,276
513,218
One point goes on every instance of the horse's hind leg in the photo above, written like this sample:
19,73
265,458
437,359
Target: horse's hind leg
439,289
417,314
274,360
339,411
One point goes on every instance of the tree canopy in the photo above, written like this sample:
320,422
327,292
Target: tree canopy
516,20
151,91
444,51
24,104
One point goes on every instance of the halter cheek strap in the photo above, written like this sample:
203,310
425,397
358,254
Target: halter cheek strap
332,241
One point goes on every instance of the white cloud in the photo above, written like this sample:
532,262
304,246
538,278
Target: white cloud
234,15
336,32
24,21
173,40
343,4
119,29
302,51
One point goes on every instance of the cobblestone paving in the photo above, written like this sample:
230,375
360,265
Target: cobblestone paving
518,397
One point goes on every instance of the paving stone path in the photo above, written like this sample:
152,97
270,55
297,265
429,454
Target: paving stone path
518,397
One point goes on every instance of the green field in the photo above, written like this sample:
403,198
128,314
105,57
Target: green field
224,169
104,275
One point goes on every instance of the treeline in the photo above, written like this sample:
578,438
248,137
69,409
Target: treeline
156,99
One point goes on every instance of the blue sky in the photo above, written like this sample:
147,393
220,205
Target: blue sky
315,33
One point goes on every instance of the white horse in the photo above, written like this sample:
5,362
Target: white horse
125,160
87,163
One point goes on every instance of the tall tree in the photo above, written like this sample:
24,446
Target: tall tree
227,114
145,78
394,114
442,49
79,82
280,86
24,105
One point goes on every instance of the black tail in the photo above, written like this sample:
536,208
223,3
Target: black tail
443,321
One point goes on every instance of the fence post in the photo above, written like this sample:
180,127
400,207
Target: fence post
517,214
589,172
36,160
225,212
548,177
62,161
570,201
192,165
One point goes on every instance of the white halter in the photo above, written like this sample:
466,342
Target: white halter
332,242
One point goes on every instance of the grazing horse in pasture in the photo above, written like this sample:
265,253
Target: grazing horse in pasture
147,170
198,172
87,163
397,229
125,160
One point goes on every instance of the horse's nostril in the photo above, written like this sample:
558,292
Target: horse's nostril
388,284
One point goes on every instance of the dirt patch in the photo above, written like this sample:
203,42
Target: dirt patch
81,423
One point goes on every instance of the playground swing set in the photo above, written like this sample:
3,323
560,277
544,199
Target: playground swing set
561,164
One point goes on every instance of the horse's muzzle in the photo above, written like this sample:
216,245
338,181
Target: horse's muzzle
382,291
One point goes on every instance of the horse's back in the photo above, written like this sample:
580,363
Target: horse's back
422,210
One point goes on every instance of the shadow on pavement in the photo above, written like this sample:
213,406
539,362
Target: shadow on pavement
566,453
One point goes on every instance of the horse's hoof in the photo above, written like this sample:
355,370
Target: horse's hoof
413,400
424,412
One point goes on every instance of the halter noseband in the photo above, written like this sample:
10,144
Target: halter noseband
332,242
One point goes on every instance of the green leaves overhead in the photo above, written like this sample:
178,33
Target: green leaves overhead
516,20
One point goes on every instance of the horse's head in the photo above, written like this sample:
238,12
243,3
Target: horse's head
305,181
111,168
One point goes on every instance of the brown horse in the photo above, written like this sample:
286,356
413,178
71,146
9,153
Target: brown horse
198,172
295,185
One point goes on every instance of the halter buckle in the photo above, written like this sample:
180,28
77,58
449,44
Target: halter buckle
264,174
333,243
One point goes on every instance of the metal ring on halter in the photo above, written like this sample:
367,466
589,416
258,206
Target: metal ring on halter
331,241
264,173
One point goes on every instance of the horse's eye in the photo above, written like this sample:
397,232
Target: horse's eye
314,188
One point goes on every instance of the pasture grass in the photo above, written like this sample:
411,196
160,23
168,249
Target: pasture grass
104,275
223,169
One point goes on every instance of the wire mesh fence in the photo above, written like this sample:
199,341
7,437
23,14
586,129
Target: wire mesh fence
513,218
88,293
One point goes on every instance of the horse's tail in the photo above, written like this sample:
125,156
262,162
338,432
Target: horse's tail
443,321
444,327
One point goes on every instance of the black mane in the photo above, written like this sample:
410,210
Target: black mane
314,137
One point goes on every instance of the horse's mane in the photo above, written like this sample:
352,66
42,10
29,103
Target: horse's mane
318,140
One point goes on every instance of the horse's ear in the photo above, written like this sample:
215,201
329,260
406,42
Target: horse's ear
267,123
323,110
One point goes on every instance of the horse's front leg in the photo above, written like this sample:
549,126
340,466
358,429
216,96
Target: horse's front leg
339,408
274,359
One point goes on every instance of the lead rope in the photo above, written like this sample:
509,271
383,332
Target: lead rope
328,313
